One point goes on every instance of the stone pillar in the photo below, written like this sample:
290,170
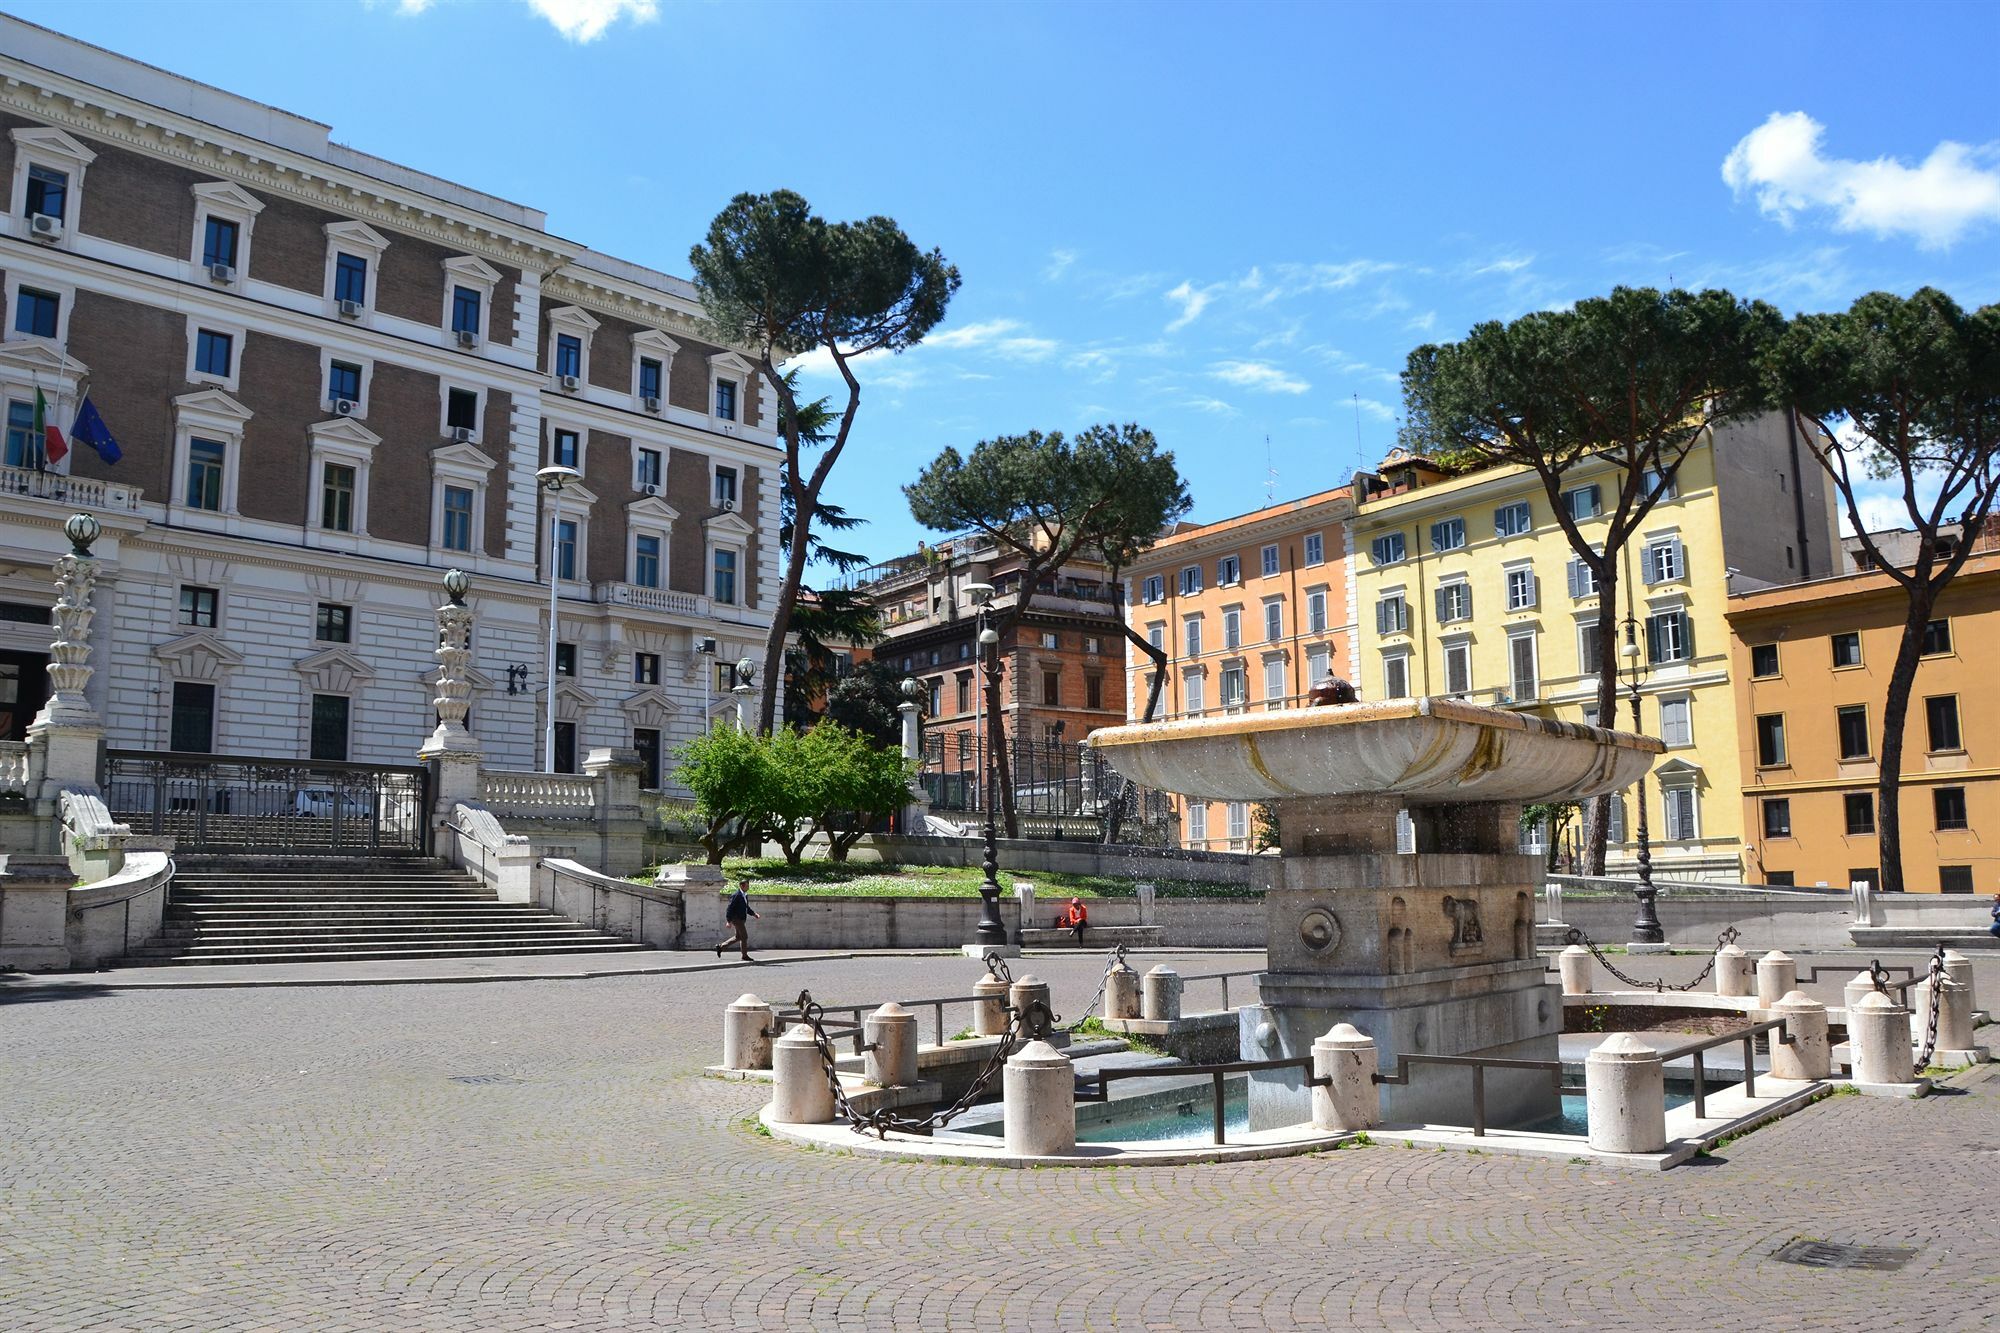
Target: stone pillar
746,1025
1162,994
621,823
918,807
1878,1031
989,1015
1777,977
1029,996
1954,1016
1039,1115
1144,891
34,912
1807,1055
1867,911
1121,992
1625,1092
911,744
1352,1101
1024,899
891,1034
1735,974
1959,968
454,750
799,1094
1552,896
67,730
1575,965
1851,993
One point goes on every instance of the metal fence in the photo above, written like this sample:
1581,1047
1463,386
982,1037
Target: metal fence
1060,791
217,803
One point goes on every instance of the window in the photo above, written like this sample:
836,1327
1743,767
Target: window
566,548
1860,809
1949,803
1513,520
350,279
1092,644
1274,680
343,382
198,606
192,724
1270,559
1228,570
1192,685
1770,740
1232,628
48,192
1319,664
1937,638
646,740
1617,820
563,449
652,378
1665,487
1316,548
1156,634
333,623
1589,650
1392,615
647,471
1941,717
1395,675
725,576
204,474
1778,818
1154,588
1316,611
1582,580
1458,668
219,242
1520,589
1448,535
646,560
565,747
725,399
1847,650
37,314
1763,660
1780,879
461,409
1197,822
645,668
1852,725
1583,502
1051,640
1190,580
1669,637
336,498
1454,602
1191,636
566,659
964,692
1525,679
569,355
1664,561
1237,814
1682,822
1869,875
725,488
1387,549
24,442
1677,720
213,353
329,731
464,310
1093,692
1954,879
1274,620
1235,688
456,534
1051,689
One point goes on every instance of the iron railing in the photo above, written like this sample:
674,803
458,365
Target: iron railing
1478,1064
220,803
1061,791
1101,1090
1748,1036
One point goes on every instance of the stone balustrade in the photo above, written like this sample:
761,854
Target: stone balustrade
539,795
13,768
77,492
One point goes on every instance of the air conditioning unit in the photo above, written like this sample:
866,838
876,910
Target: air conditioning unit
650,489
350,309
651,404
461,435
569,383
467,338
729,506
44,227
222,272
344,407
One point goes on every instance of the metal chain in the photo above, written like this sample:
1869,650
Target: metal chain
1935,982
1658,985
996,967
1111,964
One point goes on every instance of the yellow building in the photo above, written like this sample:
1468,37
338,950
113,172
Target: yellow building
1812,669
1466,586
1251,611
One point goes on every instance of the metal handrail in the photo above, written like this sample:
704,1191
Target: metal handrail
1479,1064
1224,978
935,1004
1748,1036
1216,1072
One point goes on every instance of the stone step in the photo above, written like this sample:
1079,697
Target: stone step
208,898
436,950
278,947
354,912
233,934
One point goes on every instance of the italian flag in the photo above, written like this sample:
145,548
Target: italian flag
54,447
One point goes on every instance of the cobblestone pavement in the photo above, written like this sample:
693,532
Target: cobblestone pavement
545,1154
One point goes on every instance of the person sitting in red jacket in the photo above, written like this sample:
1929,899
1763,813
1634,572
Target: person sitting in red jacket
1074,918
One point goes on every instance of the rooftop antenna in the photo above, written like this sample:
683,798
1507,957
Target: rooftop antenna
1360,459
1270,474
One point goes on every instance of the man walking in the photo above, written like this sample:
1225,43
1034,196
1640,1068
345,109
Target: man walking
737,914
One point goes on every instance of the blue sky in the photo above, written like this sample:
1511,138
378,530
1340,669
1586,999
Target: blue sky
1226,222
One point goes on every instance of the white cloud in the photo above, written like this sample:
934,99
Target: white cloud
1002,337
1059,264
1952,191
1379,411
1192,302
584,21
1215,405
1423,323
1259,375
1505,264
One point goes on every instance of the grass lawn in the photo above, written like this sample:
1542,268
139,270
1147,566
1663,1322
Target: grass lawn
771,877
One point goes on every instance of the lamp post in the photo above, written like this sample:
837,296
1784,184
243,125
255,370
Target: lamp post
991,929
553,480
1646,928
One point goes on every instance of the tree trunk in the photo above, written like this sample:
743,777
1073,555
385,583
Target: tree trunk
1597,829
998,759
1895,716
781,614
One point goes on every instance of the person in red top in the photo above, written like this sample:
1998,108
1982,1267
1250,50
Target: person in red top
1074,918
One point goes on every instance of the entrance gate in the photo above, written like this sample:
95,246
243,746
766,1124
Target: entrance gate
283,807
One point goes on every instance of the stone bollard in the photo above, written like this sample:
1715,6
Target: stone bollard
1352,1101
746,1034
1030,998
1121,992
1851,993
989,1012
1777,977
1878,1031
1959,968
1024,898
1954,1016
1625,1091
1808,1055
1735,974
1575,964
1039,1090
799,1093
891,1034
1163,994
1552,898
1144,892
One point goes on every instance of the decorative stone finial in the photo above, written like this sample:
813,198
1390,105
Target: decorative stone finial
456,581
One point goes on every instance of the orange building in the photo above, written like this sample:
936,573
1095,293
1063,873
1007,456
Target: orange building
1252,611
1810,665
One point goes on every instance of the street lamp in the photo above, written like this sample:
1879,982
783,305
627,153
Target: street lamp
1646,928
553,480
991,929
746,676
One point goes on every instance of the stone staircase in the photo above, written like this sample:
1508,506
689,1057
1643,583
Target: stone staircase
305,910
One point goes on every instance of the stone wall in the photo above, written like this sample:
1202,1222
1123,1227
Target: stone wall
855,922
1026,856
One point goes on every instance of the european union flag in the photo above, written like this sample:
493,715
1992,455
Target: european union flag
91,430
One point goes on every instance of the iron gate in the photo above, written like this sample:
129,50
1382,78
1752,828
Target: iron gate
217,803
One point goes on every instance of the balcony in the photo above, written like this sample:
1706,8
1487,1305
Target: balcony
73,492
666,600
